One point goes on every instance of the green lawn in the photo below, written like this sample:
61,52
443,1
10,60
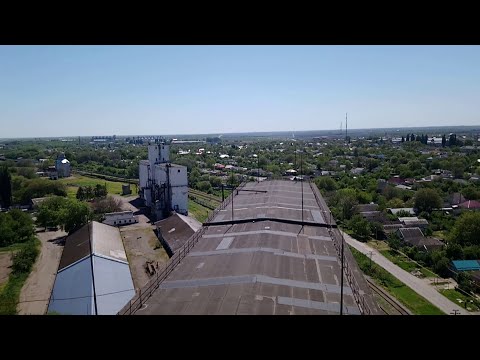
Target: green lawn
13,247
417,304
455,295
198,211
405,263
75,181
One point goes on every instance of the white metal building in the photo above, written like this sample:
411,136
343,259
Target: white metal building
120,218
93,276
163,185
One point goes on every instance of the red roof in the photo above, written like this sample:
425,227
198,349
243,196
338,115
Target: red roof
470,204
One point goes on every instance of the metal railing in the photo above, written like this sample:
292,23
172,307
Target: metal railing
144,293
359,299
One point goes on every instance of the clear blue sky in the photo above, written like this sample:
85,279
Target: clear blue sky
125,90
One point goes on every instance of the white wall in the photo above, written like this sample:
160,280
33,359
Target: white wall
180,199
159,153
113,278
143,174
114,220
73,282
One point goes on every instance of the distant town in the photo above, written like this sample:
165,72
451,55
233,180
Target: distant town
338,222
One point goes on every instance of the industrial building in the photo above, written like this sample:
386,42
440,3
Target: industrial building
93,276
271,248
163,185
62,166
120,218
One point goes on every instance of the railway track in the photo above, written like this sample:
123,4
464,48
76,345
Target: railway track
204,196
399,309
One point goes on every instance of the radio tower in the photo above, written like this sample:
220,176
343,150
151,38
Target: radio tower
346,127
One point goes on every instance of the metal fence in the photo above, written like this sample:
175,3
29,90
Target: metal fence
337,241
144,293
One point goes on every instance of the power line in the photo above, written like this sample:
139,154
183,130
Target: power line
63,299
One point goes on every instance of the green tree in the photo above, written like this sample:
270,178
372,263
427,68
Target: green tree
326,183
204,186
360,227
5,186
427,200
346,200
441,267
454,251
23,225
466,229
74,215
49,212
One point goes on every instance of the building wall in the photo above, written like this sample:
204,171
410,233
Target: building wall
120,219
143,174
63,169
159,153
180,199
112,278
73,282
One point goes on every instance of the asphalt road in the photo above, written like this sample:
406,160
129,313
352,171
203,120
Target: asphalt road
416,284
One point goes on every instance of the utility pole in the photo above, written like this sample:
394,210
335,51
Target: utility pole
232,194
301,180
342,266
346,127
258,167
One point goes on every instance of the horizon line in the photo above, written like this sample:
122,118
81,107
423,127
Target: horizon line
244,132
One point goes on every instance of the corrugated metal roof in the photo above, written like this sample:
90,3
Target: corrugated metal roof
466,265
105,240
261,267
177,229
410,233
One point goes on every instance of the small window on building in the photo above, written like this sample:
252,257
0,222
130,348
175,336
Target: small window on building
114,223
178,170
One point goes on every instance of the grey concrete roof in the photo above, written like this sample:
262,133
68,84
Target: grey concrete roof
260,267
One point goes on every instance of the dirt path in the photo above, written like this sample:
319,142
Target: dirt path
40,281
5,270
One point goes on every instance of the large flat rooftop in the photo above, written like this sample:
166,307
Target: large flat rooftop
265,262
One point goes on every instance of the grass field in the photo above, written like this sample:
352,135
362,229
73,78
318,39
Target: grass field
198,211
405,263
455,296
75,181
417,304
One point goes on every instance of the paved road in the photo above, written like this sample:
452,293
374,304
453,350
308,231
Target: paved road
416,284
40,281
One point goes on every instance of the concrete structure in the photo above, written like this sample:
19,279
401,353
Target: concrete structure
93,276
62,165
120,218
126,189
163,186
268,259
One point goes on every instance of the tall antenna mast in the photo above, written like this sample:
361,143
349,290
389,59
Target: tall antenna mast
341,128
346,127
